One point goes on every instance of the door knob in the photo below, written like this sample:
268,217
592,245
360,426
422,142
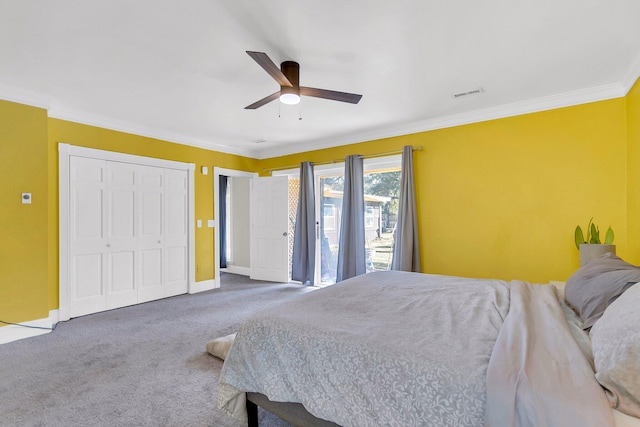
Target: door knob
284,234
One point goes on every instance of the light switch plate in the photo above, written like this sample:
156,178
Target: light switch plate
199,223
211,223
26,198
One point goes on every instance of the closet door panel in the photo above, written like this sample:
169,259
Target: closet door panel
88,245
176,231
122,273
122,242
150,239
88,212
151,274
88,271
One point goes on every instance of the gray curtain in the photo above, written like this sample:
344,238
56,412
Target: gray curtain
351,250
222,220
304,237
406,252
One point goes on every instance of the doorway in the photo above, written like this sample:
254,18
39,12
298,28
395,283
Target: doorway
381,191
382,188
237,225
267,210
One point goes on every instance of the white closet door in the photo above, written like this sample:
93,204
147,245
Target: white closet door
150,238
122,242
130,238
176,231
88,250
126,229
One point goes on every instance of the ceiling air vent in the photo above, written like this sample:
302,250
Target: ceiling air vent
469,92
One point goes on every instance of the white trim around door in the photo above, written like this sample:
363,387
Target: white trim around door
216,213
65,152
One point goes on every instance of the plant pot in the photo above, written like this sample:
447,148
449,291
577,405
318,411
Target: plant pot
589,251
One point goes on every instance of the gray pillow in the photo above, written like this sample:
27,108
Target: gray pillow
597,284
615,340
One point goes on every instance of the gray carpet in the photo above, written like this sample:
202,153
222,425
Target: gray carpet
144,365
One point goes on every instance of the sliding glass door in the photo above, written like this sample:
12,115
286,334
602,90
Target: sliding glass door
329,188
381,188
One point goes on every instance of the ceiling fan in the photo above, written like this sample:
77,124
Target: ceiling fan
288,77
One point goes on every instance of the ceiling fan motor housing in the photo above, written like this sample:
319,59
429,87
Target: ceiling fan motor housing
291,70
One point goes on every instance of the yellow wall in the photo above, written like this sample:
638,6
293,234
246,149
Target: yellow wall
633,172
502,198
23,228
495,199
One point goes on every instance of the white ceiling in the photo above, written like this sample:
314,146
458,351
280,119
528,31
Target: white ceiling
177,69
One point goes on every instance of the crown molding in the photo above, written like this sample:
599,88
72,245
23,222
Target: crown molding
567,99
76,116
22,96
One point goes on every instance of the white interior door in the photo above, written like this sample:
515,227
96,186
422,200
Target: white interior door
121,230
176,241
269,225
150,238
88,250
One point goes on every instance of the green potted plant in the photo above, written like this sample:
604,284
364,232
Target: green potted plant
591,246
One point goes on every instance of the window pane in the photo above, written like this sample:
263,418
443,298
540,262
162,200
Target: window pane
330,207
381,188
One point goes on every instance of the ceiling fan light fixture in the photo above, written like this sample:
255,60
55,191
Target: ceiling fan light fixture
289,95
289,98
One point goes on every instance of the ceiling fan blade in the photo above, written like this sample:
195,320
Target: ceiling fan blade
352,98
263,101
272,69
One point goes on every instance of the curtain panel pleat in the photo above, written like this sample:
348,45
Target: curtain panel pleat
351,249
222,223
304,237
406,251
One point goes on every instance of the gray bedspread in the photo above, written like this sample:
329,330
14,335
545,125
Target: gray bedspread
404,349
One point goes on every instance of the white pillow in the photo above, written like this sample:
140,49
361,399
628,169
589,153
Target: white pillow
221,346
615,340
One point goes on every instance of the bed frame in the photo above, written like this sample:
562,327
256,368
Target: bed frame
293,413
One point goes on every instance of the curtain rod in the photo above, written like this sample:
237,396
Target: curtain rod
328,162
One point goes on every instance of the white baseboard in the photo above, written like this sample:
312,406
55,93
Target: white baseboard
10,333
204,285
235,269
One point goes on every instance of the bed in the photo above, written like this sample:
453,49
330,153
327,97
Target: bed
410,349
